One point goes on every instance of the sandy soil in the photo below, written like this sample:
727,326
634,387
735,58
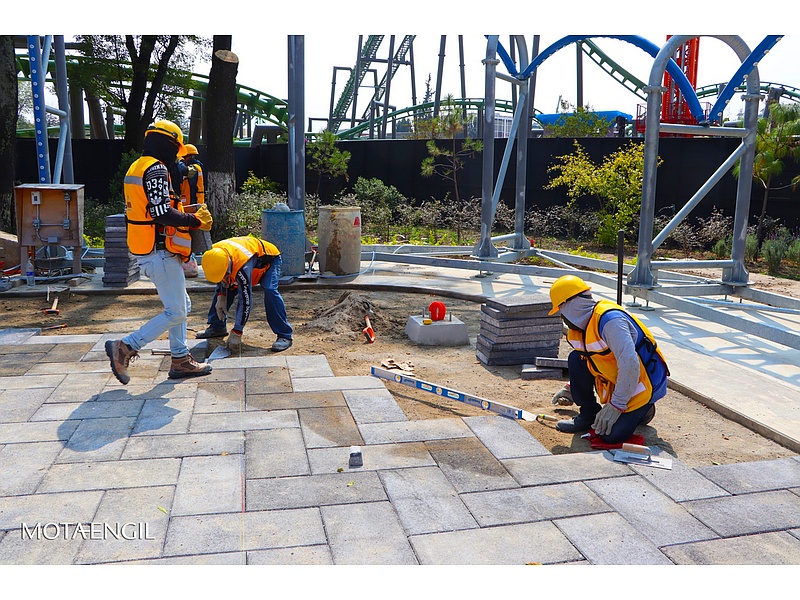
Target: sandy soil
330,322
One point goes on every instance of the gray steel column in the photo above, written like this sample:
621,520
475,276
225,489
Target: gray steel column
65,138
484,248
296,121
520,241
438,94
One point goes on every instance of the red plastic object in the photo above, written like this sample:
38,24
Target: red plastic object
437,310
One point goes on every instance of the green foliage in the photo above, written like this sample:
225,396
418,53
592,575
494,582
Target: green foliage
578,122
259,185
722,248
325,159
751,249
773,251
116,190
94,218
379,205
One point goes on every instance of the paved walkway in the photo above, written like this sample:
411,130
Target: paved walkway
250,464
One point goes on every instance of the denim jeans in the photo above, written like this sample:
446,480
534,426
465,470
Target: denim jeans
581,382
273,303
165,270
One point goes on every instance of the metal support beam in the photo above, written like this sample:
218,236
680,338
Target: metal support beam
297,151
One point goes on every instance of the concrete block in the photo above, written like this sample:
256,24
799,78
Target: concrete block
308,366
97,440
313,490
181,445
22,466
776,548
81,387
413,431
505,438
219,396
21,382
112,474
161,416
758,476
562,468
469,466
275,453
296,400
558,363
75,507
17,406
366,534
506,545
209,484
328,384
328,427
373,406
61,411
267,380
250,420
450,332
529,372
38,431
681,483
750,513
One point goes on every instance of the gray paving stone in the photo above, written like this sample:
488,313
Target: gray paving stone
562,468
425,501
777,548
111,475
54,368
382,456
79,387
73,507
681,483
414,431
267,380
608,539
366,534
758,476
295,400
244,421
97,440
221,396
161,416
135,514
62,411
329,427
656,516
14,550
376,405
326,384
506,545
302,555
469,466
114,391
220,558
19,382
275,453
246,362
180,445
22,466
17,336
504,437
17,406
89,338
313,490
750,513
237,531
209,484
795,533
220,375
315,365
39,431
539,503
61,353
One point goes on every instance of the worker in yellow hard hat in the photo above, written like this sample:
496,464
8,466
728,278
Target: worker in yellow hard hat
613,354
158,235
236,265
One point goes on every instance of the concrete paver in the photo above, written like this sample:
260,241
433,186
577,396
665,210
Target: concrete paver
776,548
749,513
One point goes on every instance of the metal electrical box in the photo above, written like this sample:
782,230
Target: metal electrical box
50,214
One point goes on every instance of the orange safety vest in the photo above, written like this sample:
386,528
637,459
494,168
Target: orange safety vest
141,227
242,249
186,188
653,369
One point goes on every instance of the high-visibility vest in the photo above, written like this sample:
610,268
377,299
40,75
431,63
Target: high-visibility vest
199,196
141,227
602,364
242,249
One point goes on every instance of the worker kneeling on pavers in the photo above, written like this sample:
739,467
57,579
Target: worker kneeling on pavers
615,354
236,265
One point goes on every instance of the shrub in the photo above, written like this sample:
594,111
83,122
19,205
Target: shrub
773,252
714,228
379,204
751,248
793,251
722,249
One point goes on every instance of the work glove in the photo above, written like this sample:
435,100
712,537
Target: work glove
221,306
235,340
563,397
605,419
206,220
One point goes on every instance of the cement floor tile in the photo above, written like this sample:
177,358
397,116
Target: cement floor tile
329,427
181,445
55,368
366,534
39,431
110,475
507,545
219,375
295,400
80,387
563,468
608,539
313,490
469,466
275,453
237,531
209,484
11,349
17,365
162,416
376,405
681,483
61,411
17,406
114,391
750,513
267,380
525,505
347,382
315,365
414,431
504,437
23,466
758,476
223,396
425,501
97,440
21,382
247,362
72,507
777,548
383,456
244,421
301,555
61,353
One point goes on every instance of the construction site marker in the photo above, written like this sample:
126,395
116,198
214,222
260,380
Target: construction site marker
476,401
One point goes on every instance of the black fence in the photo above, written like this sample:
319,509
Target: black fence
688,163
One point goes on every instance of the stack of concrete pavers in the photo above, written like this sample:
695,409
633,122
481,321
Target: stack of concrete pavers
120,268
517,330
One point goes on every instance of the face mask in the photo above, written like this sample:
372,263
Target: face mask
570,324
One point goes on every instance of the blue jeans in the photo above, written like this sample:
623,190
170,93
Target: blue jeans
165,270
273,303
581,382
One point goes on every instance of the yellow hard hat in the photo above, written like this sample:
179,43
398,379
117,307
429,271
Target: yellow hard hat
189,149
215,264
564,288
170,129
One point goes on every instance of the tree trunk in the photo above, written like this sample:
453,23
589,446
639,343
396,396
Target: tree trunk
220,174
9,104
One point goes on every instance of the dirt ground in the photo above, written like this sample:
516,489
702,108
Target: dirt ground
330,322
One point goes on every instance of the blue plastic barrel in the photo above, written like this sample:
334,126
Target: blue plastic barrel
287,230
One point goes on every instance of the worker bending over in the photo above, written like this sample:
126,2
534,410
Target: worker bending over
614,354
236,265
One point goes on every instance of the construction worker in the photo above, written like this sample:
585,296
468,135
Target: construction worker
236,265
193,189
158,234
614,354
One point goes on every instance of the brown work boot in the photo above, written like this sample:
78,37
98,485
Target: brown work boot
121,356
186,366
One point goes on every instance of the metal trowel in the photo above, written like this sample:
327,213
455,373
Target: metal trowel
219,352
634,454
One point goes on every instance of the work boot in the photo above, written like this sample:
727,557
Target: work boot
121,356
281,344
212,332
648,416
187,366
574,425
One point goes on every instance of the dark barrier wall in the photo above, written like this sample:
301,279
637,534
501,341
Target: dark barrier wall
688,163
